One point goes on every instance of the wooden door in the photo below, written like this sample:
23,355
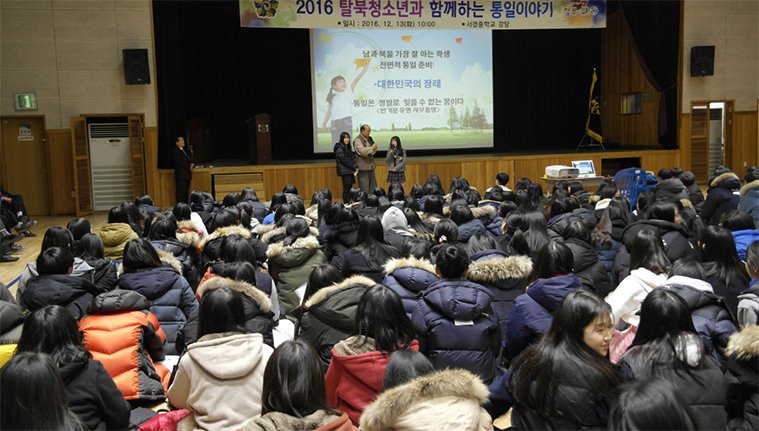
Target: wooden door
136,147
699,138
25,162
80,149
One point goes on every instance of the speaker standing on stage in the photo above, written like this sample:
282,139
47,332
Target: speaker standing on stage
396,161
365,149
183,166
346,164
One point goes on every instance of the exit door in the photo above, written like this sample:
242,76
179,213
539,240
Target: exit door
25,164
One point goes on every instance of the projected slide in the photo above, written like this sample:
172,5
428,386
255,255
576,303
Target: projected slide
433,89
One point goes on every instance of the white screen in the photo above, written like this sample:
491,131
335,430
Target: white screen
431,88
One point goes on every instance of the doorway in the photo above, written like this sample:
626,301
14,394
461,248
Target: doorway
25,161
711,137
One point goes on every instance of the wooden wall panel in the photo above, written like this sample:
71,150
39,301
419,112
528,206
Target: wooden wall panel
743,151
61,171
620,74
152,180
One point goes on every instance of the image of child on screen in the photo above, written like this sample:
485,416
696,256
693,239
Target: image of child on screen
340,105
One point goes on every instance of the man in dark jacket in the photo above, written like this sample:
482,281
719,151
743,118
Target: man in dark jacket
183,166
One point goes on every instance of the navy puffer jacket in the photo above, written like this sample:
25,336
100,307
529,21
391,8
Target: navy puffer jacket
587,266
457,327
505,276
532,312
409,277
170,296
720,198
186,254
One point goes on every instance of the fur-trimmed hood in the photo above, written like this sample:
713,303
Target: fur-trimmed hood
749,186
393,264
477,212
323,293
279,249
225,231
188,224
277,231
384,412
312,212
252,292
744,344
498,268
189,238
429,218
728,180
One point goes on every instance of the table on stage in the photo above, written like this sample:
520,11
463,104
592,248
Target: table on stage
587,183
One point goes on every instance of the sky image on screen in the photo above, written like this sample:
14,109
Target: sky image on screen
433,89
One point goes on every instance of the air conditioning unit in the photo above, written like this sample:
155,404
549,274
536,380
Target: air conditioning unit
111,164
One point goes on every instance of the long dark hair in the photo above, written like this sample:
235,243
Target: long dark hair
33,395
553,259
53,330
399,148
415,222
162,228
537,231
650,404
380,315
434,206
90,247
718,245
182,211
647,251
140,254
403,366
78,227
57,236
294,381
664,336
221,310
235,248
561,354
370,242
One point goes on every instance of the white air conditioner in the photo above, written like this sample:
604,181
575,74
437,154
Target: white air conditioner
111,164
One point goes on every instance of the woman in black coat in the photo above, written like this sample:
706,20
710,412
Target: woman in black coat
347,167
668,346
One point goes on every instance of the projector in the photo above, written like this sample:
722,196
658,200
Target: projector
561,171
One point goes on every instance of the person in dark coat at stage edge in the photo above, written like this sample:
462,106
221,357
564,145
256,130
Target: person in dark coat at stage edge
183,166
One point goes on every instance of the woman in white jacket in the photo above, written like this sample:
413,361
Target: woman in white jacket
649,266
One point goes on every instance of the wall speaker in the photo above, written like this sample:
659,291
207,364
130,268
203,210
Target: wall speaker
136,68
702,61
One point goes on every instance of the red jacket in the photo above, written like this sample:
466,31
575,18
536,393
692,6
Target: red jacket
113,335
354,380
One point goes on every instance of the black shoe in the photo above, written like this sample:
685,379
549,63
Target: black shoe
25,226
16,247
28,233
9,238
8,258
24,218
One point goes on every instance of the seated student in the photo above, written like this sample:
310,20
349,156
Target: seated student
329,309
468,226
221,375
342,235
127,339
54,285
202,207
724,269
506,276
666,345
454,319
577,191
445,232
259,209
749,202
14,210
163,236
532,312
294,395
566,381
720,197
742,227
395,227
741,381
116,233
409,275
355,373
650,404
670,186
92,394
240,277
695,194
11,324
31,383
90,249
587,266
371,251
189,221
227,223
748,301
145,203
170,296
501,179
55,237
416,398
292,260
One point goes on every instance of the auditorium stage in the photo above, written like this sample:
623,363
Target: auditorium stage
223,176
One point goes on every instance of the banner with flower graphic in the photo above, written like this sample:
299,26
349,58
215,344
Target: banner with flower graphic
424,14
